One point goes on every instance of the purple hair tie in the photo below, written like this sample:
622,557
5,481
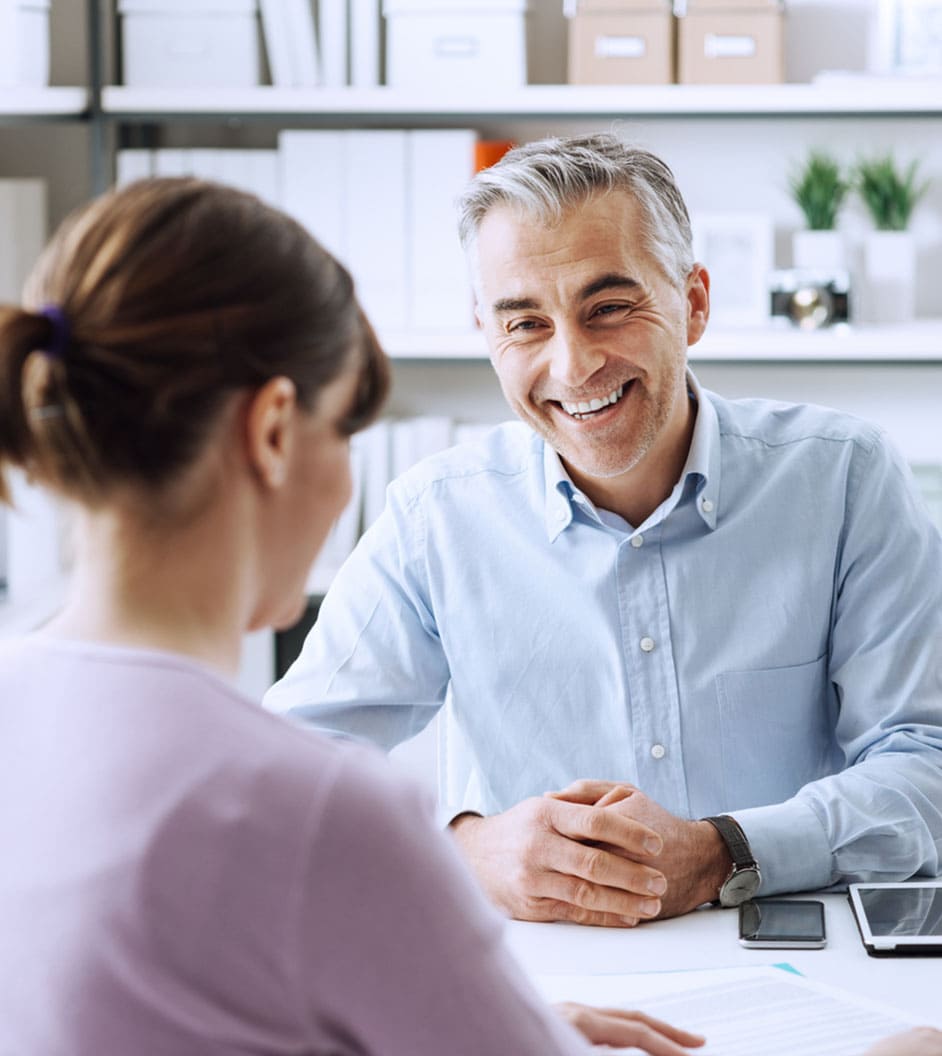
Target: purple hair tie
58,343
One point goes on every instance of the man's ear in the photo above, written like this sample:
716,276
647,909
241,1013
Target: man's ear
269,430
698,303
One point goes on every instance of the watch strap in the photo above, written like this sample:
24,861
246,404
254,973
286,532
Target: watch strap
735,840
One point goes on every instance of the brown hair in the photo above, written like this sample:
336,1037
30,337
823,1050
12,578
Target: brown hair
173,294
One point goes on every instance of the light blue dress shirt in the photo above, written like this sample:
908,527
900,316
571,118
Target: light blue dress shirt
768,643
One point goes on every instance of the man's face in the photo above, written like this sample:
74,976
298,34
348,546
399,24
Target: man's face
589,338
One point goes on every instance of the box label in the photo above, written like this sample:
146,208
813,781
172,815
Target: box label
621,47
729,46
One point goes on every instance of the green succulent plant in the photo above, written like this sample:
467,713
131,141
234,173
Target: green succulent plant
820,188
889,193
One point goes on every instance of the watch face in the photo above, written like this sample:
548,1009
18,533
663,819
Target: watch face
742,885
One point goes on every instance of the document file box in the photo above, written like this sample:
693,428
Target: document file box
621,42
731,42
446,44
190,43
24,42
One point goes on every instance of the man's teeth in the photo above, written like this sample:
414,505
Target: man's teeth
577,410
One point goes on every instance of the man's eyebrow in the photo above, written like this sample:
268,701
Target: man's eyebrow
515,304
611,281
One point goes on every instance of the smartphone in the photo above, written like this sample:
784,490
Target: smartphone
782,924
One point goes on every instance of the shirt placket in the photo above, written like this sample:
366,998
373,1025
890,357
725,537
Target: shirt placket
651,678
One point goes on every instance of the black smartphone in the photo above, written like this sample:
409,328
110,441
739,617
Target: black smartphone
782,924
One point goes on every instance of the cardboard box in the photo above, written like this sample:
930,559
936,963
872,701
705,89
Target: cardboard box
731,42
621,42
24,42
435,44
190,43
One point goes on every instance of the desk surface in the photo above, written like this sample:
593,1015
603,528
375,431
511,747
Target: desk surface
707,938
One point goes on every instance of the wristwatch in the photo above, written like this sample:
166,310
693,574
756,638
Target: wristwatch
744,878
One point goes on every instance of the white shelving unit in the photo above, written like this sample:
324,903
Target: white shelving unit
851,96
919,342
38,103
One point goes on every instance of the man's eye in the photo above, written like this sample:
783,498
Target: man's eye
612,309
522,324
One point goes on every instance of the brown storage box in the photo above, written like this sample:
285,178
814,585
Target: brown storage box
621,42
731,42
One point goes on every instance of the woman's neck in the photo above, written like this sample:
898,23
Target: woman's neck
186,591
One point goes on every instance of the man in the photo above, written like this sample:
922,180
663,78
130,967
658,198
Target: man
724,617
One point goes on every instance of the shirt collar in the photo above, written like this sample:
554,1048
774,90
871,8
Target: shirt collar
702,469
703,458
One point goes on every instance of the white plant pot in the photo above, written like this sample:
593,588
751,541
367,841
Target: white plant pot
821,251
890,269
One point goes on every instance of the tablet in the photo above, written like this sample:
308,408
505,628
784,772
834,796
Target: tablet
899,919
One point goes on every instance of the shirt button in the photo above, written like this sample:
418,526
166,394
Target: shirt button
707,506
637,541
647,644
658,751
560,515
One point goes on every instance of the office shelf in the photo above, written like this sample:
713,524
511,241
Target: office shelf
850,96
37,103
918,342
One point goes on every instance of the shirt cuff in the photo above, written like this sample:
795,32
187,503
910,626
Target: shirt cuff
445,815
790,845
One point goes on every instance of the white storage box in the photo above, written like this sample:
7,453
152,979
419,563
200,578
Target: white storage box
436,44
24,42
190,43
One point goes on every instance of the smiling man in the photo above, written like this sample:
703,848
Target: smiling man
713,627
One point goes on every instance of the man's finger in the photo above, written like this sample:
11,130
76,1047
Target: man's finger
569,914
589,791
584,894
602,867
580,822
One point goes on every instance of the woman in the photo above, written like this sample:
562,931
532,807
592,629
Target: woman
184,872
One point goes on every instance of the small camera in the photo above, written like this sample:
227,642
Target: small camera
810,299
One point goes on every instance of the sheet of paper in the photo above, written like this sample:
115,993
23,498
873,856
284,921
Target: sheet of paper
742,1011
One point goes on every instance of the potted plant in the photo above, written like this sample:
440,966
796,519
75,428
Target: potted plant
890,194
819,188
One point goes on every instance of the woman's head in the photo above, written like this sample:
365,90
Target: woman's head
149,309
183,340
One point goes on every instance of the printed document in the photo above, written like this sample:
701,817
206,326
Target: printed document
742,1011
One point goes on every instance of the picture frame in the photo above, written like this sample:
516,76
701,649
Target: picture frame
738,251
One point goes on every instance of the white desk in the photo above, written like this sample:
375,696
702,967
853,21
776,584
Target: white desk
707,938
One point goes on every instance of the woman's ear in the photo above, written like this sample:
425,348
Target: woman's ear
269,430
698,303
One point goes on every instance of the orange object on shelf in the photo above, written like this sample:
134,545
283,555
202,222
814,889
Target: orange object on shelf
488,152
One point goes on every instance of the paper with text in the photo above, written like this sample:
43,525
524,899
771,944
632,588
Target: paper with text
742,1012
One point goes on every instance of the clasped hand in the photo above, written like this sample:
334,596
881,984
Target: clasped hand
597,852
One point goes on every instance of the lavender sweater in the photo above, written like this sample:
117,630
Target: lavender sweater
182,872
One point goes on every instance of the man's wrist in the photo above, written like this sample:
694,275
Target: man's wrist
744,878
717,862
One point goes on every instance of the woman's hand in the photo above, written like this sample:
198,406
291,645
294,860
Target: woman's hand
923,1041
621,1029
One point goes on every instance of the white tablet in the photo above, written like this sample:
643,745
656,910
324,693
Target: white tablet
899,919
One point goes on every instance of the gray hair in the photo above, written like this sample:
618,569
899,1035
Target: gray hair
546,178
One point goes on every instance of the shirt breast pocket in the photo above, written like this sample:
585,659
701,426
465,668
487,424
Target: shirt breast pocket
776,730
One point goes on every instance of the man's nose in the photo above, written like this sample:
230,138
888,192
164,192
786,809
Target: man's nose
574,358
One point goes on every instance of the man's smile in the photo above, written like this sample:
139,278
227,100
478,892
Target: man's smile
581,409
